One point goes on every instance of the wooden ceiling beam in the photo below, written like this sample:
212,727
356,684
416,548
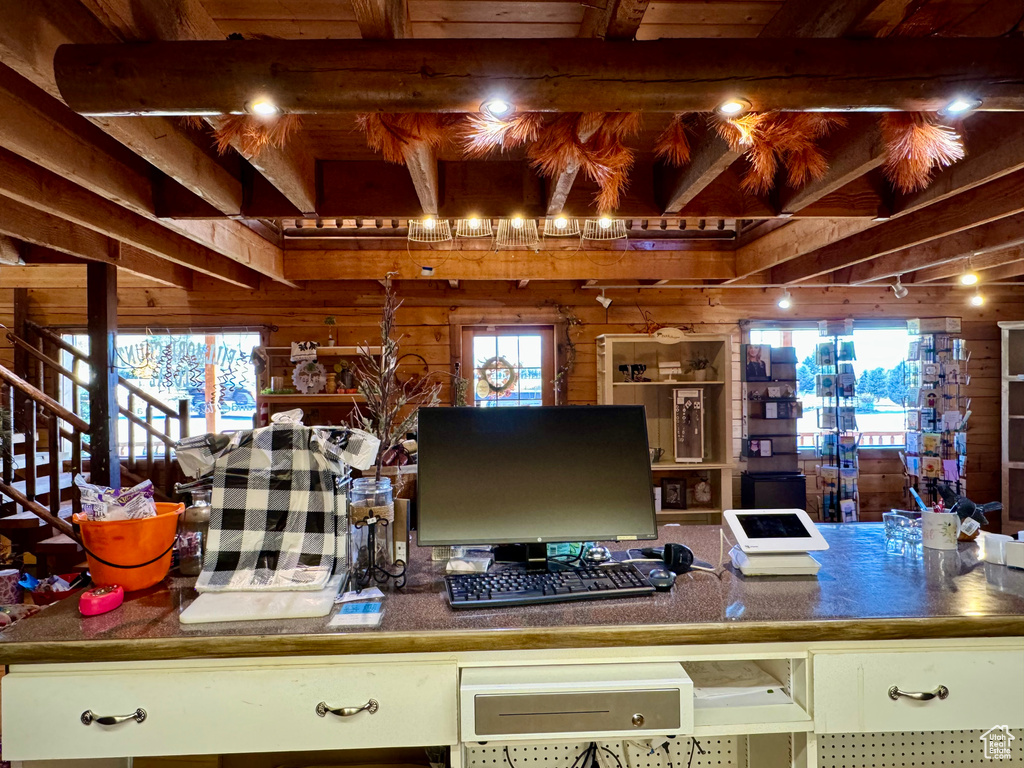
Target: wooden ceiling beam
981,240
308,76
818,18
613,19
853,152
29,36
45,191
995,200
680,186
292,169
42,131
129,259
29,225
972,263
509,265
10,251
381,19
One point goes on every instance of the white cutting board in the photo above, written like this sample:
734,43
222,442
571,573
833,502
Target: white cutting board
259,606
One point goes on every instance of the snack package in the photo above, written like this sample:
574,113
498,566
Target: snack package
100,503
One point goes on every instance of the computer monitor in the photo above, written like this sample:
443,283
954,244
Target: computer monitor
534,475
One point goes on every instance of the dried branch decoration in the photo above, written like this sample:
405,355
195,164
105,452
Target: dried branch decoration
916,144
592,142
769,139
673,145
251,134
393,134
391,405
480,134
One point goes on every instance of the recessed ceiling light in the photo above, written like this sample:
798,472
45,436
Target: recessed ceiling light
561,222
969,278
264,108
977,299
733,108
786,301
961,105
604,222
517,222
497,108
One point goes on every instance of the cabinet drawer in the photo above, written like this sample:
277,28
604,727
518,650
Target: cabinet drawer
851,690
241,709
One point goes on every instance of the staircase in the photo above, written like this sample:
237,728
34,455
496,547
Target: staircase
44,445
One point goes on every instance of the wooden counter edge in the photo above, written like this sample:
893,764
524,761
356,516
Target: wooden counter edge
341,644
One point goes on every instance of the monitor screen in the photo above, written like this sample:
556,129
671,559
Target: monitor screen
526,475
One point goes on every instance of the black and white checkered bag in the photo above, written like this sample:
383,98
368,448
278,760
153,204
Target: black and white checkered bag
277,521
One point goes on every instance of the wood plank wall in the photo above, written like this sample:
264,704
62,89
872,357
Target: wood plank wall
431,311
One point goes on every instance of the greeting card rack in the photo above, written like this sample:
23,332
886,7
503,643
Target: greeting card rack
837,439
937,407
770,412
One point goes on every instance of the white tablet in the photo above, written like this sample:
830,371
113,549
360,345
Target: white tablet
774,530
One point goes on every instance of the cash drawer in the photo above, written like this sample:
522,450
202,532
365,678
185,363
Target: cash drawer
48,715
919,690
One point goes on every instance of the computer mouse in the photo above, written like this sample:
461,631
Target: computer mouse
662,579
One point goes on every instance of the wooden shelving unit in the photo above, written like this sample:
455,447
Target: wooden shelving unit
1012,427
614,350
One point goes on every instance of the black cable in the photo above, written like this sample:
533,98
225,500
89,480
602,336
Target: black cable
694,744
668,755
508,758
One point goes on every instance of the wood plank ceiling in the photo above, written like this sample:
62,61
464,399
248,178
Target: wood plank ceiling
152,193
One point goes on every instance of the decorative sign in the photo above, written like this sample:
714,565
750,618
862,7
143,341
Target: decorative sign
309,378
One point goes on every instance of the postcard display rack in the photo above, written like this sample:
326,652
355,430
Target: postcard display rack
685,384
1012,429
937,407
836,448
770,409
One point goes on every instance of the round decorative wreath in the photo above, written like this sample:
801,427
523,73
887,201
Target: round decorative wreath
489,370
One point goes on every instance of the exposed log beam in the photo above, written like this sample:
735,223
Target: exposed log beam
818,18
560,187
994,236
25,223
709,161
10,251
421,161
381,19
613,19
995,200
131,261
290,169
509,265
304,76
41,130
853,152
973,263
29,36
47,192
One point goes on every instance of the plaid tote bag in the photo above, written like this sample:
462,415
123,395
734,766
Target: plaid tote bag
277,521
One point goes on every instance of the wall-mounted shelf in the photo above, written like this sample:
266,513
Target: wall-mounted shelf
320,398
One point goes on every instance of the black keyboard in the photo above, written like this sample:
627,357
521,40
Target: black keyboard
516,586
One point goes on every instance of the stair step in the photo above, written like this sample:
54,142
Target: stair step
43,484
25,519
42,459
61,544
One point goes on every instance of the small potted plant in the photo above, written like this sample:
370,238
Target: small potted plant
699,366
330,322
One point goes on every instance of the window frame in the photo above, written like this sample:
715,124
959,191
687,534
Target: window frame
548,352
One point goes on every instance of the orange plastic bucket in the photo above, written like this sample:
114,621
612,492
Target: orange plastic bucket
132,553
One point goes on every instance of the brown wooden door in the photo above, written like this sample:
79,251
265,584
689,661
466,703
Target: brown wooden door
509,365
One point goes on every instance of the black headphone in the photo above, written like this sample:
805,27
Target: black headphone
678,557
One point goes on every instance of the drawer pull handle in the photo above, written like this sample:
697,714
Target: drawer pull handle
89,717
371,706
939,693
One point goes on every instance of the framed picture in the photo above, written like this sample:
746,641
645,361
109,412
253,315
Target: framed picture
673,493
759,447
774,393
688,424
757,362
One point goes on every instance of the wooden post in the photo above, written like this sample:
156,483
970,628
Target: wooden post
20,403
101,289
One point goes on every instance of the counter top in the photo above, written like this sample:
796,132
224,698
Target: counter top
866,590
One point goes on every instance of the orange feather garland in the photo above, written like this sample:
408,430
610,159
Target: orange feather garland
916,145
480,134
392,134
673,145
252,134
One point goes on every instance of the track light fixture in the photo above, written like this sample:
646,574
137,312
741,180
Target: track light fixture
786,301
604,301
969,278
977,299
899,288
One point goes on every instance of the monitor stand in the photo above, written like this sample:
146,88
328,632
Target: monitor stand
533,556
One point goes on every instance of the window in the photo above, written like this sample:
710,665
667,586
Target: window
880,368
211,371
511,365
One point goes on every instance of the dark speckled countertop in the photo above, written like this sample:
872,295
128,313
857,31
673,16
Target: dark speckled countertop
864,591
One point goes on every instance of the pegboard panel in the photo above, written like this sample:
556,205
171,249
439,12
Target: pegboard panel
719,752
920,749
